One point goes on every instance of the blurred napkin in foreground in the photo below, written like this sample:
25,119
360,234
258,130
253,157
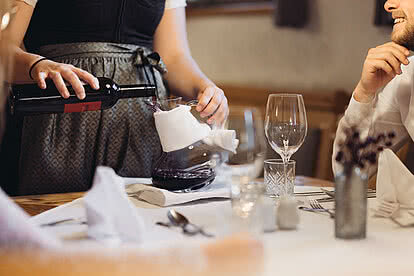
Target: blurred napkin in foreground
178,128
395,189
164,198
16,230
110,215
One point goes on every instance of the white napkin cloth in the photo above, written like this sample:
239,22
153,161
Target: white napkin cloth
165,198
178,128
224,138
111,217
16,230
395,188
134,180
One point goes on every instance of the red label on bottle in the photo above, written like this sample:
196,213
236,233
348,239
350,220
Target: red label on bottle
80,107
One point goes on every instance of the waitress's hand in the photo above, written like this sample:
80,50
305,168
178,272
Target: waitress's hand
60,73
212,103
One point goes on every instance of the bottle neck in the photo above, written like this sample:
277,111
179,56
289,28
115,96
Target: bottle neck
135,91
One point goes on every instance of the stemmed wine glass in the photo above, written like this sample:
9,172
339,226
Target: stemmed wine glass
285,125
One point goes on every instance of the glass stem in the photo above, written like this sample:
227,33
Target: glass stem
285,180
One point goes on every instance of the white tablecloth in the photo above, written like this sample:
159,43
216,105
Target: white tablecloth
309,250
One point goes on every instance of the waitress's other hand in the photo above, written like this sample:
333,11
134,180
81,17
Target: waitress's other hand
212,103
60,73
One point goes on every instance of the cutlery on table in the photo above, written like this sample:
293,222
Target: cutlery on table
317,206
309,209
54,223
160,223
370,193
178,219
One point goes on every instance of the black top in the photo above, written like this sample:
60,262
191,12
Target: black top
118,21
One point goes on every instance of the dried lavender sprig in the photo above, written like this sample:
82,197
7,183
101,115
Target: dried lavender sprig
352,152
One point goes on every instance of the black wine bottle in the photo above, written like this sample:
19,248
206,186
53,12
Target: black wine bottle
29,99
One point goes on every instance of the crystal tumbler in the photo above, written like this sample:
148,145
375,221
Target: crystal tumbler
274,177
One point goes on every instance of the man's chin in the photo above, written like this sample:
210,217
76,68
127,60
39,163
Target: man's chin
404,38
409,45
405,42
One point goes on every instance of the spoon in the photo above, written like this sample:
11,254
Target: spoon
178,219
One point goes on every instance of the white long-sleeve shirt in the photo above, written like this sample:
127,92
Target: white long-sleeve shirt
392,109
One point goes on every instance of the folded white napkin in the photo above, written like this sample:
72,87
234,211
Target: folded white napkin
111,217
178,128
163,198
16,230
395,188
224,138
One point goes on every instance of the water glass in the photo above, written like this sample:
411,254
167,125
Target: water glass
246,202
274,177
244,196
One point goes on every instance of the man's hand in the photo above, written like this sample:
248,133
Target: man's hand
382,64
212,102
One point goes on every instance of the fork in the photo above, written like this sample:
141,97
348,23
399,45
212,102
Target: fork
317,206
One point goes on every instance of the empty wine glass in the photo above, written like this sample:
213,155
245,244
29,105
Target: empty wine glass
285,125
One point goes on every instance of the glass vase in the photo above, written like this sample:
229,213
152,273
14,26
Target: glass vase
351,204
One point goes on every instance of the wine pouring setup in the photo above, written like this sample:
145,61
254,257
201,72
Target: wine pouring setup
29,99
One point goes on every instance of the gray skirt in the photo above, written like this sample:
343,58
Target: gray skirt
59,152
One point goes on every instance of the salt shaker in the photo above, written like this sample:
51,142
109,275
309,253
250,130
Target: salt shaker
287,213
269,212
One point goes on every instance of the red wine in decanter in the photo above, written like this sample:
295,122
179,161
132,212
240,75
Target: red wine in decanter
29,99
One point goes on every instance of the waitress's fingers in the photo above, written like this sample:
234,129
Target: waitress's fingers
221,113
41,79
210,100
87,77
204,97
70,77
59,83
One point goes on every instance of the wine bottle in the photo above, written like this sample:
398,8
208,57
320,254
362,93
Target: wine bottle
29,99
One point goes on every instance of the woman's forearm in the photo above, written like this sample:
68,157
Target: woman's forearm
185,78
22,63
14,34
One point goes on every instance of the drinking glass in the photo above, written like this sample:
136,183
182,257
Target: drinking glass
285,125
274,177
247,163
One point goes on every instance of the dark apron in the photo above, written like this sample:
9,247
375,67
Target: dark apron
59,152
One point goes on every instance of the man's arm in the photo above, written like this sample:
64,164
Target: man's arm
372,110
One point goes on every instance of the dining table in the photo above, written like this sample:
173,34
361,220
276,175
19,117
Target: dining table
309,249
36,204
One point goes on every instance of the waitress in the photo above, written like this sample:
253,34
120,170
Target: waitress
74,41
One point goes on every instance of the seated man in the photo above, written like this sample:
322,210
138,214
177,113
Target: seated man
383,100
